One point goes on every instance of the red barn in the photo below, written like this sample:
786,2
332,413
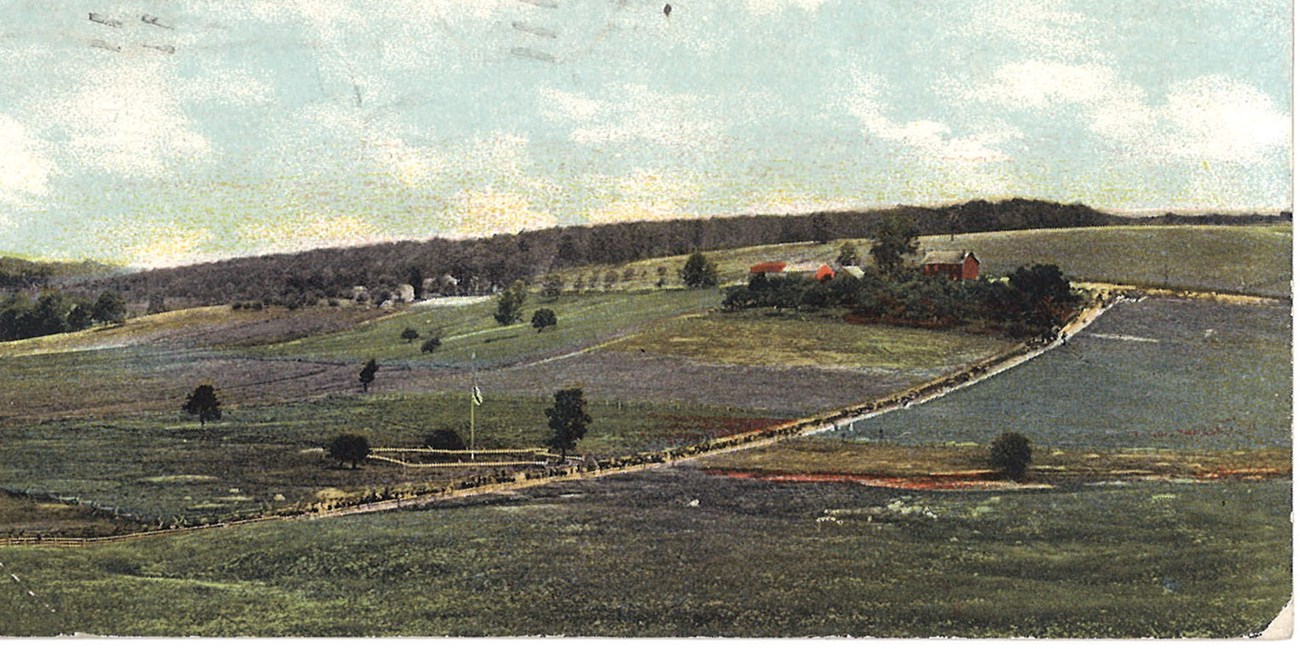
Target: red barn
956,264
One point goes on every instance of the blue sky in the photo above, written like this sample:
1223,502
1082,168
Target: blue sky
275,125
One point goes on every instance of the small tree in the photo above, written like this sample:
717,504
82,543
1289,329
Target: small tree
1011,455
110,307
349,448
848,255
568,420
699,271
543,318
410,335
367,375
431,344
510,306
445,439
203,403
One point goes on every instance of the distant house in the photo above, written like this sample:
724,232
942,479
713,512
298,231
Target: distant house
360,294
855,271
405,293
955,264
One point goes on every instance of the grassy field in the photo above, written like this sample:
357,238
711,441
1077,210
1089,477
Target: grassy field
163,466
470,331
808,341
1254,259
1160,373
679,553
28,517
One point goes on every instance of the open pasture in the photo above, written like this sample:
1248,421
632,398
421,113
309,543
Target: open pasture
822,341
469,332
1159,373
676,552
257,458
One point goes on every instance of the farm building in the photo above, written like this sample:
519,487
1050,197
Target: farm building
956,264
767,267
818,271
855,271
405,293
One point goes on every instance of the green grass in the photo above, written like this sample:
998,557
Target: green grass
808,341
1249,259
471,332
679,553
1160,373
164,466
1253,259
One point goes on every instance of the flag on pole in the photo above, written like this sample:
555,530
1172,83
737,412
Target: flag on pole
477,396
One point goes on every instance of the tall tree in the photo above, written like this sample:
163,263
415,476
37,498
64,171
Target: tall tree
699,271
367,375
204,404
568,420
110,307
415,277
893,238
510,306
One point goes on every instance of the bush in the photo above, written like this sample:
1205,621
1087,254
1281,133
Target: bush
430,345
1011,455
410,335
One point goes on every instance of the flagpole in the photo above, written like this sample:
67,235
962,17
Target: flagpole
473,401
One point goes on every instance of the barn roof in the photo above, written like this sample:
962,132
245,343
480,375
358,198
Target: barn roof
947,257
768,267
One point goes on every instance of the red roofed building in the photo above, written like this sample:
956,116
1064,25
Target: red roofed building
767,267
956,264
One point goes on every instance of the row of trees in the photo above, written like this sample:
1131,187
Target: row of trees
502,259
55,312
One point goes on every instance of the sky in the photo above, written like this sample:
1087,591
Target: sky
162,132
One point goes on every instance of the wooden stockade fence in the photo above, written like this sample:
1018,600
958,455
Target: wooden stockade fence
388,499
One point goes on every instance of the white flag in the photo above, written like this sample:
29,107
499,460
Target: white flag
477,396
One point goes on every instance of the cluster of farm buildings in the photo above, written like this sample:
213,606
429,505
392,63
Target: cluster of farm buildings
954,264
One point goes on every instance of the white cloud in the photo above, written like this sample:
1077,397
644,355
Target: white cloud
928,140
1218,119
126,119
25,167
1210,118
637,114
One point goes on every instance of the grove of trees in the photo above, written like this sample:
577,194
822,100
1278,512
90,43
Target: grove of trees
54,312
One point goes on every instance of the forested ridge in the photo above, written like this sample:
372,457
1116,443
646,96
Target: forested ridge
499,260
